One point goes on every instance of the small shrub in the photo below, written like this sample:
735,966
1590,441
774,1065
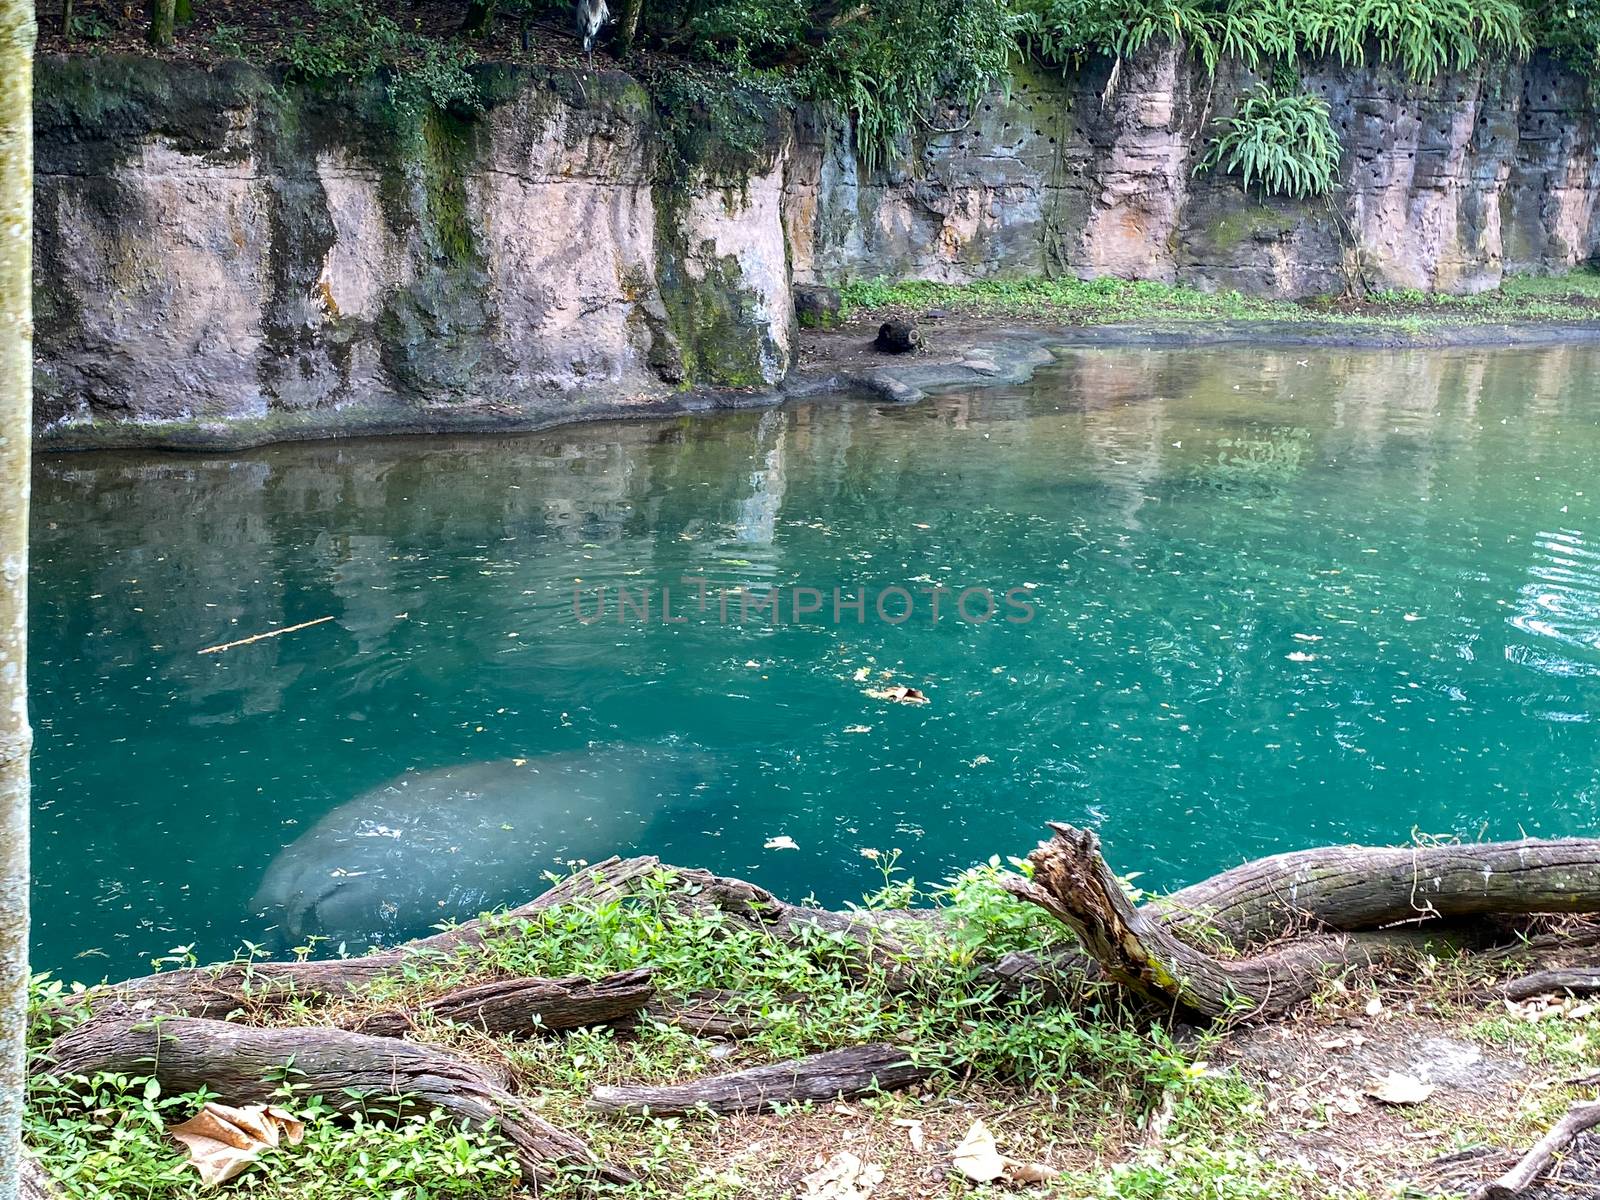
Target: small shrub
1282,140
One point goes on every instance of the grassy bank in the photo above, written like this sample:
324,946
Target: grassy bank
1123,1106
1572,297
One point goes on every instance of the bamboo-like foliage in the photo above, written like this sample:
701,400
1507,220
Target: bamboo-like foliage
16,403
1282,140
885,68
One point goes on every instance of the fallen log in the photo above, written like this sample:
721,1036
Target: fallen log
218,990
525,1007
1520,1178
712,1013
1138,950
1347,888
248,1065
1575,982
831,1075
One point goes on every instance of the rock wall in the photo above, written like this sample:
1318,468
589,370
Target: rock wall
218,250
223,255
1445,186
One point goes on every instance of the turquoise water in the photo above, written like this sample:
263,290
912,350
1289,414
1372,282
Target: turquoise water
1277,599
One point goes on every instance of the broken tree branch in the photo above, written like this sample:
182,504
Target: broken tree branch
248,1065
1137,949
1575,982
1520,1178
818,1077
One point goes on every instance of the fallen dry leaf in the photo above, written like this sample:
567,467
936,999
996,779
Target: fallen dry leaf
842,1177
978,1159
913,1130
976,1156
1021,1172
222,1141
1395,1088
898,693
1374,1006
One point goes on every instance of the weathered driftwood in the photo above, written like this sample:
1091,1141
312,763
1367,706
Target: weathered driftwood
1573,981
1137,949
818,1077
712,1013
218,990
1521,1177
525,1007
1346,888
247,1065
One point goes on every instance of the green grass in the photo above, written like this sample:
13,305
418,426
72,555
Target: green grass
1075,1069
1522,299
106,1136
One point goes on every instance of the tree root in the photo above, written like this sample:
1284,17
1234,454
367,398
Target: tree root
818,1077
248,1065
1138,949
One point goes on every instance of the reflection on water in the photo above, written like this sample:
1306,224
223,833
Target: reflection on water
1282,598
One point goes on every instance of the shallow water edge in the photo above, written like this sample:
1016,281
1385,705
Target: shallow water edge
963,354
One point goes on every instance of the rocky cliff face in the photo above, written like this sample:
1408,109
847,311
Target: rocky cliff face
1445,186
222,251
219,249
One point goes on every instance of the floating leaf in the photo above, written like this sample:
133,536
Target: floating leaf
898,693
222,1141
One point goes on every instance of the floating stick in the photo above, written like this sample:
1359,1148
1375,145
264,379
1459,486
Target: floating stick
261,636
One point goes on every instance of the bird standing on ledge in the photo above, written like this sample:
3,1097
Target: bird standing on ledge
591,15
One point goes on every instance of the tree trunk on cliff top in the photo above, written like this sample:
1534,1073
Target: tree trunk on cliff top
16,407
163,17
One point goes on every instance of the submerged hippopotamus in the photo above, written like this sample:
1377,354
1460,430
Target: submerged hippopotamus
447,844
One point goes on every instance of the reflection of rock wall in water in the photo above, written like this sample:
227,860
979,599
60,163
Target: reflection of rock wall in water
217,249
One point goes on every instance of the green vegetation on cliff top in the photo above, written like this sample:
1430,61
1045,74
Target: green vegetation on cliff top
1523,299
883,65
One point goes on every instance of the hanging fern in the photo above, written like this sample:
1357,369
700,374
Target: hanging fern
1281,139
1421,37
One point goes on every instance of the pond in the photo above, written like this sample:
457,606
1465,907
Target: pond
1213,603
